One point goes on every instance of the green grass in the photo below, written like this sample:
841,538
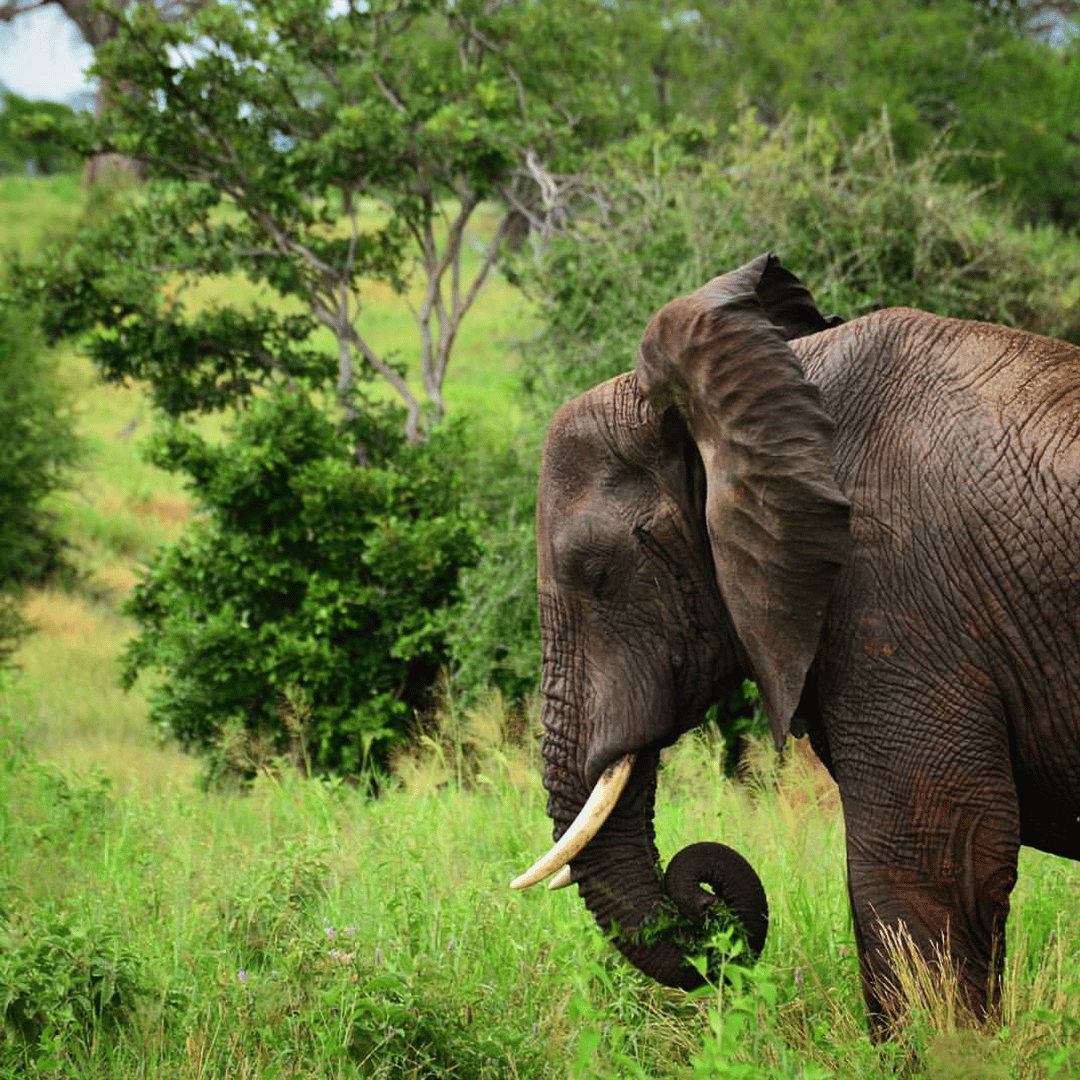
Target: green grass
306,930
33,209
151,929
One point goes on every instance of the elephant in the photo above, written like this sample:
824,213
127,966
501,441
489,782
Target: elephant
878,521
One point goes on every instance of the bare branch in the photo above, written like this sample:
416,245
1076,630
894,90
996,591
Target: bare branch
14,8
432,359
550,202
389,94
347,335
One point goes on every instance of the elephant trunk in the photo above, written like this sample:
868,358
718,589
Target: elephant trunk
619,877
657,921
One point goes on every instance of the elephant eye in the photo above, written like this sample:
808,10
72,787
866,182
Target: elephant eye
596,573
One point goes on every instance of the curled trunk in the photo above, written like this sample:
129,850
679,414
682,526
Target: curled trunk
659,921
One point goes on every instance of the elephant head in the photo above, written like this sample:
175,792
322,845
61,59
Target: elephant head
689,531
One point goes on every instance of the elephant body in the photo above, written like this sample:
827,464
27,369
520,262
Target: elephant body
879,522
948,682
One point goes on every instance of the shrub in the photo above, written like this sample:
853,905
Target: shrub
63,974
38,451
307,575
861,227
494,630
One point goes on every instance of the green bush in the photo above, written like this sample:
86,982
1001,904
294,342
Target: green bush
62,976
38,451
494,629
305,606
30,138
860,226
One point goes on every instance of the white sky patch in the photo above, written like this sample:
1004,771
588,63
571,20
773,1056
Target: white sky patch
42,56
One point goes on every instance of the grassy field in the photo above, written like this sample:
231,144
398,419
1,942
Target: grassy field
150,929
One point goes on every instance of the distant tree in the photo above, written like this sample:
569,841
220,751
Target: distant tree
328,152
28,137
302,118
984,74
97,23
864,228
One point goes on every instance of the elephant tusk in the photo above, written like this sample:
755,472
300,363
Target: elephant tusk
561,879
585,826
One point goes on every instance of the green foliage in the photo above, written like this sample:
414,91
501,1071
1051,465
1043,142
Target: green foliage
963,68
422,110
308,930
279,902
494,629
739,720
30,137
117,281
738,1017
38,453
63,976
15,751
860,226
304,572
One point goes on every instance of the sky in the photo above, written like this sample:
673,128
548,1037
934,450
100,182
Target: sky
42,55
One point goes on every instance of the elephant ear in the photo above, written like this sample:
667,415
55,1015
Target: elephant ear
777,521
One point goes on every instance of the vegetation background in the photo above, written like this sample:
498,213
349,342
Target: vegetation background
321,890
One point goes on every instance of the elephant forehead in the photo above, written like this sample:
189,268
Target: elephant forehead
601,432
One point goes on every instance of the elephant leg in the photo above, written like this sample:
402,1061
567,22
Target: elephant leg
933,876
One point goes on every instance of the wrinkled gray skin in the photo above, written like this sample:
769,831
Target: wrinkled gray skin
880,523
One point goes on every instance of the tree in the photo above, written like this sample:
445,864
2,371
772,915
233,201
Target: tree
316,147
984,74
323,151
303,610
28,136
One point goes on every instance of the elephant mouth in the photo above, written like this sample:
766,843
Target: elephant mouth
708,903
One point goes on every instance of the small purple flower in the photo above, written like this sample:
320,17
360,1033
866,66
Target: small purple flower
241,976
351,931
798,976
331,933
378,957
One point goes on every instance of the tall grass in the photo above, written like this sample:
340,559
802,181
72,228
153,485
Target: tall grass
305,929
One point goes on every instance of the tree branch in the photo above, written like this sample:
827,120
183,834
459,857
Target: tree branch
13,8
